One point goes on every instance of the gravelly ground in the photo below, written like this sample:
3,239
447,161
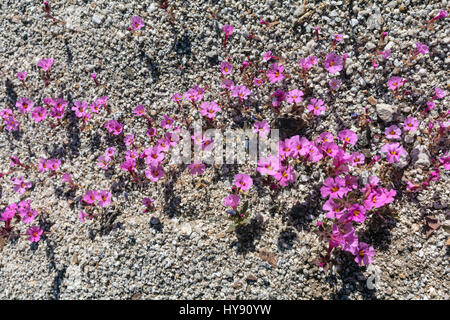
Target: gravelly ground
189,254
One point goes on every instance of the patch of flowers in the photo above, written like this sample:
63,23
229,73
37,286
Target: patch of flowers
348,199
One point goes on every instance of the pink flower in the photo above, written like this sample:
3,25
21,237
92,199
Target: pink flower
337,37
333,187
395,82
386,53
25,105
19,185
154,173
314,154
82,216
330,148
129,139
299,146
285,176
228,84
80,108
34,233
421,48
334,84
267,56
153,156
148,202
66,177
262,128
278,97
95,108
131,155
294,96
275,73
333,63
151,132
39,114
101,101
439,93
357,159
54,164
110,152
9,213
243,181
257,81
139,111
136,23
11,123
5,113
364,254
445,161
268,166
171,139
209,109
163,145
228,30
316,106
114,127
176,97
27,214
285,149
42,165
56,112
90,196
241,92
104,198
393,132
128,165
348,137
22,75
167,122
207,144
225,67
232,200
196,168
393,152
307,63
357,213
333,209
410,124
325,137
45,64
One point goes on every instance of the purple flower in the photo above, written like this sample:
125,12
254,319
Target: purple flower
34,233
333,63
334,84
225,67
395,82
275,73
45,64
364,254
421,48
316,106
393,132
25,105
294,96
232,200
228,30
22,75
410,124
243,181
241,92
136,23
